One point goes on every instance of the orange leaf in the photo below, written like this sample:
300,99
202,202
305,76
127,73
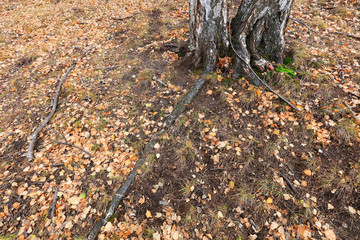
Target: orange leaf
16,205
307,172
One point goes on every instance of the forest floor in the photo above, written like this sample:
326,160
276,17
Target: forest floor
237,164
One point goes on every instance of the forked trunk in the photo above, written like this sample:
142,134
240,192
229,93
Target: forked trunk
257,29
258,34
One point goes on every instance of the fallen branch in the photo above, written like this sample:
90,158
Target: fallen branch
72,145
53,204
121,193
303,23
257,77
30,152
120,19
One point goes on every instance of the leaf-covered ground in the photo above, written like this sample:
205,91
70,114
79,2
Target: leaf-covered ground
238,164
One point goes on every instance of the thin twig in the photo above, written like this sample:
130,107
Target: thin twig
348,35
351,111
111,67
81,80
120,19
53,204
329,8
72,145
309,28
354,94
257,77
30,152
292,188
159,81
6,137
338,85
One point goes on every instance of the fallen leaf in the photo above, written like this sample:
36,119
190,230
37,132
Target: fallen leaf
274,225
330,234
109,227
352,210
74,200
16,205
307,172
148,214
156,236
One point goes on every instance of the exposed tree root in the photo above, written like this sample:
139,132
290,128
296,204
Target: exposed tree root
254,75
30,152
121,193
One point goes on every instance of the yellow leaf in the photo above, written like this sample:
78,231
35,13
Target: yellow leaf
276,132
148,214
269,200
142,200
307,172
231,184
258,92
100,107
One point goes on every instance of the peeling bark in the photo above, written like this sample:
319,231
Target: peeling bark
258,33
208,31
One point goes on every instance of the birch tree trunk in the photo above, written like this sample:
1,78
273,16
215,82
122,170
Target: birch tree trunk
258,33
208,31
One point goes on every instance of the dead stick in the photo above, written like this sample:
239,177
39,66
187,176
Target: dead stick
348,35
72,145
351,111
303,23
292,188
257,77
30,152
6,137
53,204
120,19
159,81
121,193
